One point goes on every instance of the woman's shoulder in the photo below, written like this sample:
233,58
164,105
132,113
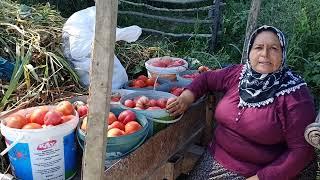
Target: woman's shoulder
230,71
300,96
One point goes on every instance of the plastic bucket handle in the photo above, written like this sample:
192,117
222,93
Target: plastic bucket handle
15,142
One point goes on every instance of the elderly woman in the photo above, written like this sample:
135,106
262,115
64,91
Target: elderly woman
261,118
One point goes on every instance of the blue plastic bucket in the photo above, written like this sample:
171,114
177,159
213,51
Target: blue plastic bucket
48,153
159,119
121,146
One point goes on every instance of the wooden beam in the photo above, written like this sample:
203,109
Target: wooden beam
184,35
100,89
215,24
165,18
251,25
180,1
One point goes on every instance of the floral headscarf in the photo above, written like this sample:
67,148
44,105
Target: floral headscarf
258,89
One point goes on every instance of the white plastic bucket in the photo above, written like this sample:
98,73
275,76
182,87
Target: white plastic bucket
165,73
48,153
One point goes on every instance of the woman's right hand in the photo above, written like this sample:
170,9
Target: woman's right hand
180,104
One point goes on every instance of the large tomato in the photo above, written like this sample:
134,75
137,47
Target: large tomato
129,103
151,81
32,126
114,132
143,78
132,127
139,83
162,102
82,110
37,116
111,118
65,107
116,124
53,118
126,116
16,121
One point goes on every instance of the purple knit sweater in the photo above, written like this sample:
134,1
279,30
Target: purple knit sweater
267,141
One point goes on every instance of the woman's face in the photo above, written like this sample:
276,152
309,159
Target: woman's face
266,53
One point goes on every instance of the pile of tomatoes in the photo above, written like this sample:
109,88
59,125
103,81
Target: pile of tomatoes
145,103
125,123
167,62
143,81
40,117
177,91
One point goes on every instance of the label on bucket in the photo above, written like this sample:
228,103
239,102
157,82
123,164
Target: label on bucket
44,159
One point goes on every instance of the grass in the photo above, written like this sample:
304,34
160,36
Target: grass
30,37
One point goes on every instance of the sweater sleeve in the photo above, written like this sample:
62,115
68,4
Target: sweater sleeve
217,80
296,117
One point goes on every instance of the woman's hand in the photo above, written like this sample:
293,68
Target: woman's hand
255,177
180,104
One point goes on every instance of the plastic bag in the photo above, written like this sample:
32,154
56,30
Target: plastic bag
6,69
78,35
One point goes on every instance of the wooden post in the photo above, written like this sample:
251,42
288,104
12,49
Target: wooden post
251,25
100,89
215,25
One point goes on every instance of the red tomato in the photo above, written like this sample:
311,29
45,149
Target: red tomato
132,126
111,118
143,78
115,99
151,81
129,103
37,116
161,103
53,118
65,107
32,126
139,83
152,102
67,118
126,116
114,132
82,110
116,124
16,121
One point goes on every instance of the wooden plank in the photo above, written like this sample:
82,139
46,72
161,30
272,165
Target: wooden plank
180,1
206,8
215,25
184,35
164,18
251,25
100,87
157,150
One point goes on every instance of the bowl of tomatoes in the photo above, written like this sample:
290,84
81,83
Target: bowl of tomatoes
142,83
126,131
